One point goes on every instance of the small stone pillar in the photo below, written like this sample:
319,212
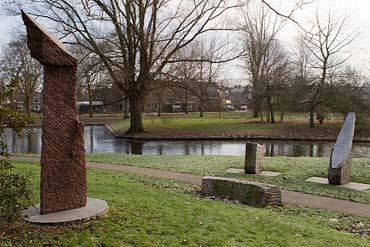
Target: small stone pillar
254,153
341,157
63,168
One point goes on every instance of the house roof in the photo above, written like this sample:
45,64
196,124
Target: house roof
94,103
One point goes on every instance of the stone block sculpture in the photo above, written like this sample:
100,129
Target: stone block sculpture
246,192
254,153
341,157
63,168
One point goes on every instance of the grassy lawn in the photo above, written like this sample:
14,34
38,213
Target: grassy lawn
234,124
152,212
295,170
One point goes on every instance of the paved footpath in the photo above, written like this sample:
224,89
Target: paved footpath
288,197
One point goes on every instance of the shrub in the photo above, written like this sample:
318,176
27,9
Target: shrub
15,193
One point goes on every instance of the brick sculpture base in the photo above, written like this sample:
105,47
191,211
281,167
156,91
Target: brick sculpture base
254,154
342,174
246,192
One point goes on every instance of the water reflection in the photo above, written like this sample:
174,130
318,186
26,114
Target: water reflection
99,140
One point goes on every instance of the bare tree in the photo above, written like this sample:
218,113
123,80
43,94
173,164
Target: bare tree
140,37
20,69
196,73
349,83
183,74
327,43
259,31
275,78
91,75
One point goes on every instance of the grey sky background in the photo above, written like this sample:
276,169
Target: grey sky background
357,10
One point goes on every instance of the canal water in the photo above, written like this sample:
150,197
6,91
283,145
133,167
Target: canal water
99,140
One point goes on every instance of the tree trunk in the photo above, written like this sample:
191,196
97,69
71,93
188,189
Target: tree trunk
256,108
136,118
321,120
201,108
282,114
220,108
27,106
272,114
159,111
312,116
256,111
261,117
90,106
220,111
90,100
125,109
268,117
159,106
186,102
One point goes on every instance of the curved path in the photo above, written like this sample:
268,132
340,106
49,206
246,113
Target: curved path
288,197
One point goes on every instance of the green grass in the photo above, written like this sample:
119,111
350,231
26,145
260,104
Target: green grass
295,170
151,212
233,124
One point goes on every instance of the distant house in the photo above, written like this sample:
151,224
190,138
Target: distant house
84,106
178,100
36,105
113,99
240,96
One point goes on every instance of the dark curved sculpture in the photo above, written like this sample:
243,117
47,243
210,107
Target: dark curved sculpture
63,168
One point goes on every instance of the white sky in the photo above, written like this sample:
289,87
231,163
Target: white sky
357,10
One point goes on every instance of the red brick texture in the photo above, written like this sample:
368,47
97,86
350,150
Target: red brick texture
63,168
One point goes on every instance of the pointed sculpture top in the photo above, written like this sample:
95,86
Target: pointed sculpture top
343,144
47,49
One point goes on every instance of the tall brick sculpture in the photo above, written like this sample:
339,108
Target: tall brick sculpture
63,168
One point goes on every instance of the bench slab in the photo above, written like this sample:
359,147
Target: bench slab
246,192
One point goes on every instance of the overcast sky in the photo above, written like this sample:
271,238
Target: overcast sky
358,10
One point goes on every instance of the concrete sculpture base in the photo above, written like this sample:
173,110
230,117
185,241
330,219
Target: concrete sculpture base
350,185
94,208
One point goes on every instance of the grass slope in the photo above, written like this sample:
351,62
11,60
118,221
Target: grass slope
295,170
148,212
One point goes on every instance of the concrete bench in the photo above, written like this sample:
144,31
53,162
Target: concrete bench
246,192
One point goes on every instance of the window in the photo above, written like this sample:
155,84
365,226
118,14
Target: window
36,101
36,107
